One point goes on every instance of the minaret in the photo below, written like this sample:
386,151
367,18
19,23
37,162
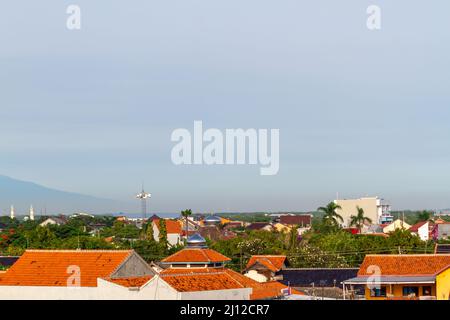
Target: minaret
12,215
31,213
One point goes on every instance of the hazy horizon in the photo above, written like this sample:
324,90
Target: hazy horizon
360,112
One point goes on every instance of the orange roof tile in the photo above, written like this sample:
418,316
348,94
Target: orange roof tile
196,255
406,264
268,290
206,279
273,263
131,282
185,271
172,226
416,227
52,267
261,290
196,281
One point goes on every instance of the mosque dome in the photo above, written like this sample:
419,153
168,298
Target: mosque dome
196,240
212,219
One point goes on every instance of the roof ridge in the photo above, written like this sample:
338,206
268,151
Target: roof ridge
191,274
234,279
205,255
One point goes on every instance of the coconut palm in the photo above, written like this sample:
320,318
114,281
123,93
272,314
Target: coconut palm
331,216
186,213
359,220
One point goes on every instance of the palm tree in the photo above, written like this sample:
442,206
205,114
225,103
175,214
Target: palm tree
331,215
186,213
359,220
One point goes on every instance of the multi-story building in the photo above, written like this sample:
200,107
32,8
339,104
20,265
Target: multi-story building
374,208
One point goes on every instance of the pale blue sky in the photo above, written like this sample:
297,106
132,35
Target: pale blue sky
359,112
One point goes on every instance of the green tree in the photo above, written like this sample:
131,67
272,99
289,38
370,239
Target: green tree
292,238
309,256
148,231
163,233
424,215
360,219
330,215
186,214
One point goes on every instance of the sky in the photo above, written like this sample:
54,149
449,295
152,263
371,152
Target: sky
360,112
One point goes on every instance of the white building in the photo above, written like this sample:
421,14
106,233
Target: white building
374,208
422,230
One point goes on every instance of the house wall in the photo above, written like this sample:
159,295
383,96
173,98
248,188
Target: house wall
369,205
134,266
155,232
253,274
232,294
156,289
423,232
443,231
397,224
397,291
173,238
443,285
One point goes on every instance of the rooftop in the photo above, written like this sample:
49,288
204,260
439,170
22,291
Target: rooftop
196,255
272,262
172,226
54,267
206,279
406,264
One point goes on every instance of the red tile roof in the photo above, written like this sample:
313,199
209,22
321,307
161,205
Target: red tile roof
406,264
206,279
268,290
273,263
415,227
131,282
300,220
172,226
196,255
53,267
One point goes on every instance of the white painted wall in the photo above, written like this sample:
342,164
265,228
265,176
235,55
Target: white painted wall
253,274
423,232
156,289
172,238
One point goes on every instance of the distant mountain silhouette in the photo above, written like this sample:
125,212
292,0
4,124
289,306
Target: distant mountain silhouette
22,194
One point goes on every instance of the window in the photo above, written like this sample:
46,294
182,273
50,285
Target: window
378,292
426,291
410,290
